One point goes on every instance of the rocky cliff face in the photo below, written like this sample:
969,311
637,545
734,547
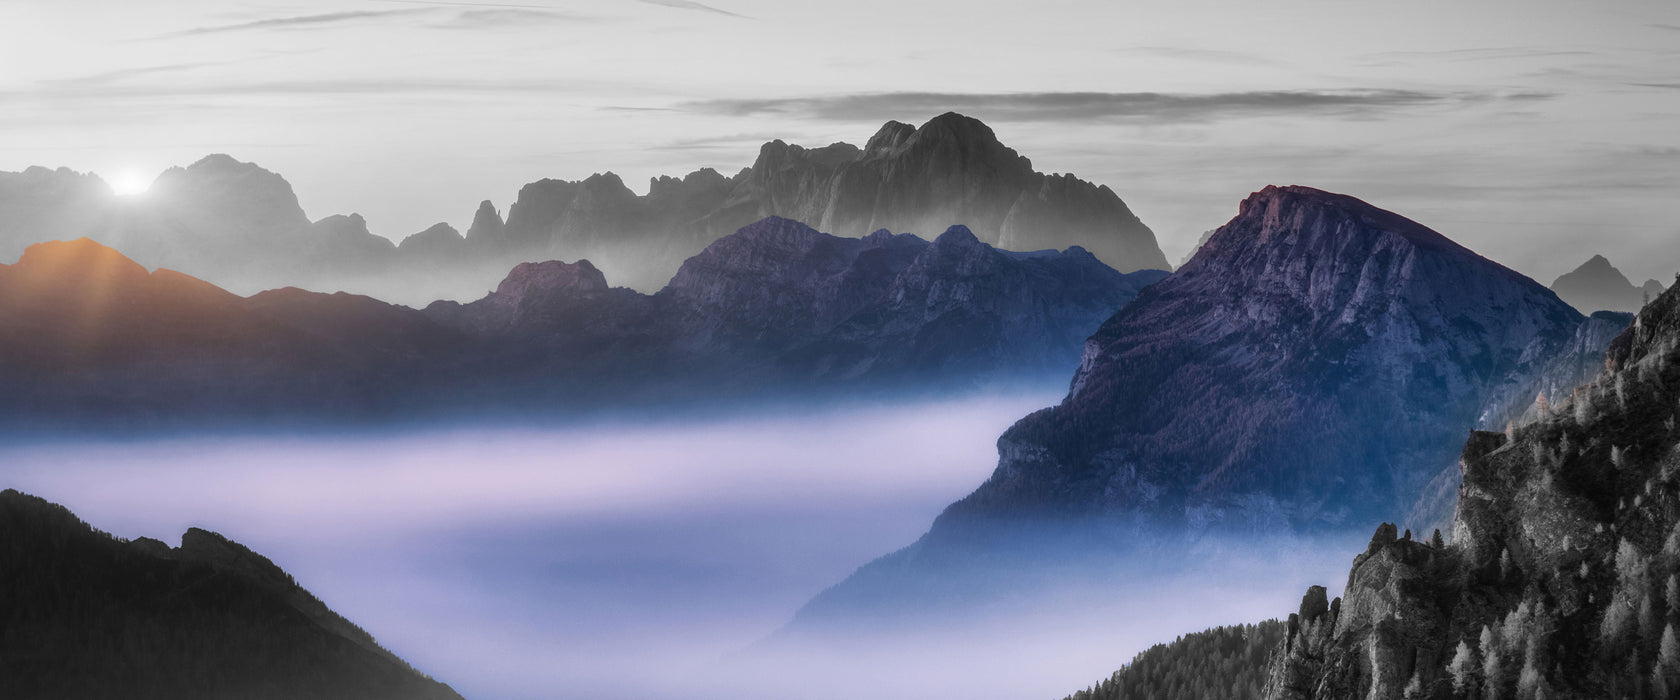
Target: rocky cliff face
1560,580
90,616
1576,363
1598,286
240,226
1311,367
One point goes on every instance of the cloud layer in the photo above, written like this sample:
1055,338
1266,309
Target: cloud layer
1111,106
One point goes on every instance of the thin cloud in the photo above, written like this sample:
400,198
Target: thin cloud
176,92
678,4
1202,55
297,22
1150,107
730,141
690,5
126,74
503,17
1478,54
446,3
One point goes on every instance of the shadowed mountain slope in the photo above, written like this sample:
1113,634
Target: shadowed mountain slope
87,615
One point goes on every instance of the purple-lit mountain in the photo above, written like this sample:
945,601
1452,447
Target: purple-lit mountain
780,304
1309,370
90,616
241,227
87,335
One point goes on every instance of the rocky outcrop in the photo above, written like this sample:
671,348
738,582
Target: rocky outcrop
1560,580
1577,362
1597,286
90,616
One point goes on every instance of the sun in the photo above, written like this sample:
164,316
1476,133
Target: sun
129,183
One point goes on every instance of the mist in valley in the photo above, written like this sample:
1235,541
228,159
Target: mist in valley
654,559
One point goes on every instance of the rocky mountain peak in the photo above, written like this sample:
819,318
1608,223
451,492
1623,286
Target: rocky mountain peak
958,243
552,277
219,186
890,136
1319,219
486,223
1598,285
778,155
71,268
952,141
218,551
439,236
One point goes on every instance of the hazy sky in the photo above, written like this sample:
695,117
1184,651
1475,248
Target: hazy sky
1535,131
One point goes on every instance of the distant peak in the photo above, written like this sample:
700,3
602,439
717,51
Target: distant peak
552,276
222,164
486,221
1597,269
775,225
82,253
1597,264
891,135
957,235
1274,205
960,127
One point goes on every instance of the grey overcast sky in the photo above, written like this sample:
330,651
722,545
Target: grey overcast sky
1535,131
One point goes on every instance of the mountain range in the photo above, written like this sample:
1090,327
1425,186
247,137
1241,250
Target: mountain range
241,227
89,616
1311,369
90,338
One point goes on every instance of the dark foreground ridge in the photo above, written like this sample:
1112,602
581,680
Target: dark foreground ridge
1563,576
1223,662
85,615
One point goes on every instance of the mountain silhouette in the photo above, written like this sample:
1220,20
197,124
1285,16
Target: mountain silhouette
1596,286
88,615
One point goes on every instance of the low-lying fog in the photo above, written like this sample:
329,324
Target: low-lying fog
639,561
